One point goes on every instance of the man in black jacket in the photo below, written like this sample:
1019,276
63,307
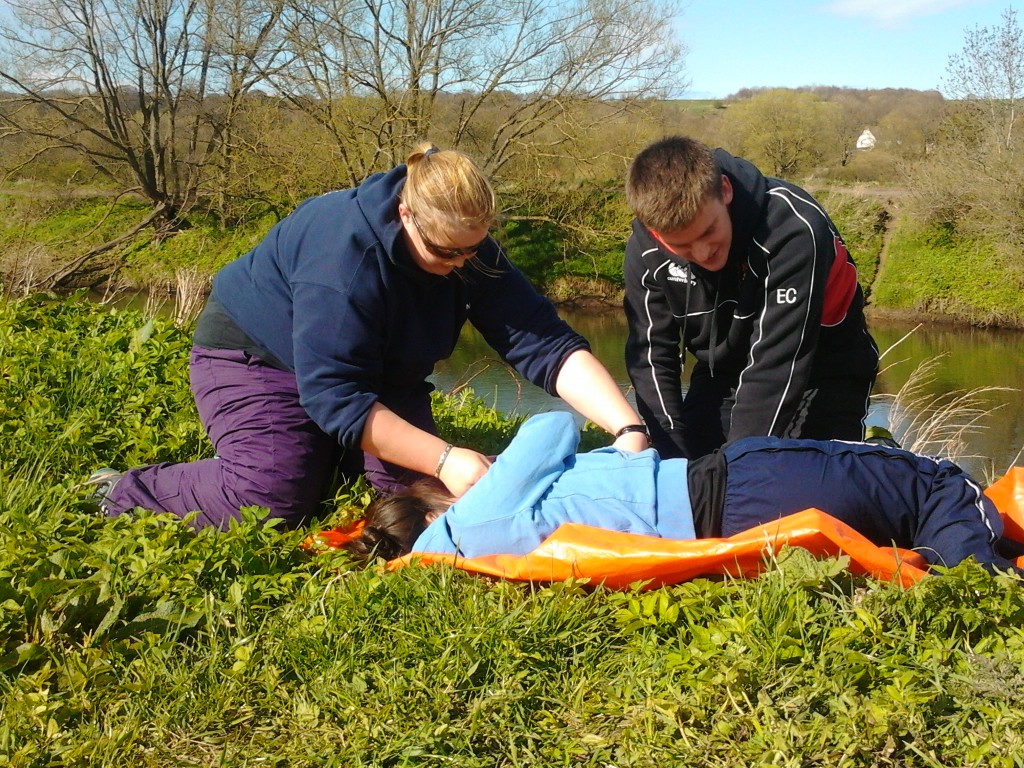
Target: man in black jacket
750,275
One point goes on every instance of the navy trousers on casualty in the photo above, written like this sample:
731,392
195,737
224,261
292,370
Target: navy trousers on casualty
889,495
269,452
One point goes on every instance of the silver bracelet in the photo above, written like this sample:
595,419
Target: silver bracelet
442,460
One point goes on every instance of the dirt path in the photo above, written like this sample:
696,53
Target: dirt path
883,251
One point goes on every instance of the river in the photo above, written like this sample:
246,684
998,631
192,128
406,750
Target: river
966,358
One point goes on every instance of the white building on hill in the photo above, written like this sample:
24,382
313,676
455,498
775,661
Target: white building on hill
866,140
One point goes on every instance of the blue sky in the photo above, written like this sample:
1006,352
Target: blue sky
737,44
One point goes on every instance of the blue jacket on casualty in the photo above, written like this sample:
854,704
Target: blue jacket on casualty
540,482
333,293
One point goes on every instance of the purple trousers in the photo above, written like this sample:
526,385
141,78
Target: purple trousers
269,452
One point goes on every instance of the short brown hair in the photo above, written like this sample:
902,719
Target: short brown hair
670,181
447,191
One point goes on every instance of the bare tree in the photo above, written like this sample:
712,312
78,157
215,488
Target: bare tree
501,78
158,95
244,41
972,180
125,85
112,78
988,75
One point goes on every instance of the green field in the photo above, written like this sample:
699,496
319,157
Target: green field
138,642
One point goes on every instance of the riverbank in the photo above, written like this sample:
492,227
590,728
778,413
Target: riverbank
915,316
906,271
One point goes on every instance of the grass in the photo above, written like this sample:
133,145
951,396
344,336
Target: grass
135,641
42,231
938,425
862,222
937,271
695,106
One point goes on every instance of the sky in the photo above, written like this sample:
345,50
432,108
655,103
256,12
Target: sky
734,44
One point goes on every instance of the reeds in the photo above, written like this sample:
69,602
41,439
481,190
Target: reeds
189,290
937,424
190,295
23,267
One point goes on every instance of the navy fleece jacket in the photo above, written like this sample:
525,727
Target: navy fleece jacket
333,293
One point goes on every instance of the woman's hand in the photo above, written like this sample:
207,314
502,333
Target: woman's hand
462,469
393,439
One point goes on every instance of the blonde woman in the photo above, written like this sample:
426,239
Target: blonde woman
316,346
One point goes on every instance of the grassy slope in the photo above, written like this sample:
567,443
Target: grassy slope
137,642
42,232
936,271
861,221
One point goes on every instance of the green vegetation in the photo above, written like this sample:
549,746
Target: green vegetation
694,106
571,233
134,641
35,233
934,269
236,152
862,221
41,233
942,271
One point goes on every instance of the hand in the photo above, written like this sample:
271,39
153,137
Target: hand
632,442
462,469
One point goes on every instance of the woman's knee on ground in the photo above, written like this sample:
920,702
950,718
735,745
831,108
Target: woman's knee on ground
294,500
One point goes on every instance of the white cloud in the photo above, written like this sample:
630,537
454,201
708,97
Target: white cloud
894,10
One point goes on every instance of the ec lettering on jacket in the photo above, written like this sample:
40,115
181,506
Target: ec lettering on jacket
785,296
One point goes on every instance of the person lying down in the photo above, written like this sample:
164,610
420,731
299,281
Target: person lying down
890,496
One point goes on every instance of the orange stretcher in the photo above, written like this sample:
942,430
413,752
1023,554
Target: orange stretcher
619,559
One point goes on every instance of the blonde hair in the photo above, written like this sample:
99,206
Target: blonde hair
447,191
670,181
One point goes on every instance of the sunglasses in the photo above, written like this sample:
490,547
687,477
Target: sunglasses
444,252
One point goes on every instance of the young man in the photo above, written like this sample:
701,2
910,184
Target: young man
751,277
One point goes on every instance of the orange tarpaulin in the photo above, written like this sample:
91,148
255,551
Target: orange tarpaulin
619,559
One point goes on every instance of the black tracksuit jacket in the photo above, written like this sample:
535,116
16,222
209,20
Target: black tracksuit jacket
782,319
